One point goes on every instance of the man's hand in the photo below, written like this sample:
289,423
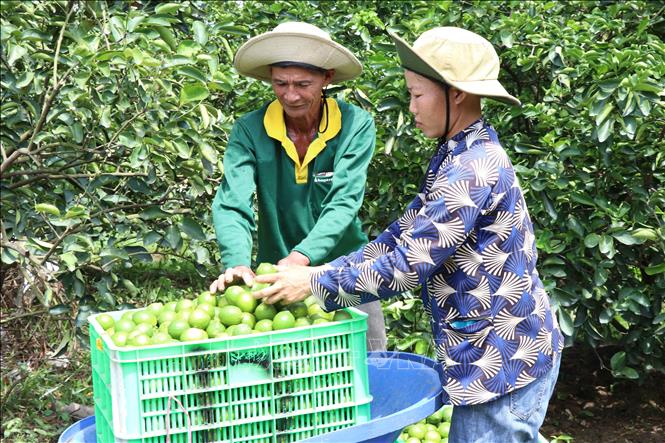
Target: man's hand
232,275
289,285
294,259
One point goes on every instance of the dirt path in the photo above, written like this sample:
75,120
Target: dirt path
590,406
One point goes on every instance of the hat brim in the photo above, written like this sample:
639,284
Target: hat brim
254,58
486,88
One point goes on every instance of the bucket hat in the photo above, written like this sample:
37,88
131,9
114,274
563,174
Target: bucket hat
295,42
458,57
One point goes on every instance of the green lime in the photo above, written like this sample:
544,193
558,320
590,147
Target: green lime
298,309
160,338
302,321
341,315
206,297
222,301
177,327
444,429
193,334
120,338
184,303
314,310
144,316
246,302
265,312
205,307
319,320
264,325
432,436
248,319
155,308
230,315
124,325
283,320
184,314
418,431
139,340
258,286
165,316
447,413
199,318
265,268
215,327
232,293
128,315
105,321
242,329
310,300
170,306
144,328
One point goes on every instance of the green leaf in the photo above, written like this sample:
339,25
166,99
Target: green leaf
605,130
591,240
626,238
200,32
507,38
47,208
193,73
565,323
173,237
193,92
208,152
167,36
184,150
153,213
167,8
644,234
15,53
606,244
618,361
190,227
653,270
630,373
205,117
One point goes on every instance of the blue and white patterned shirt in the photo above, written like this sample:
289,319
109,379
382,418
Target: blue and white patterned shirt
468,240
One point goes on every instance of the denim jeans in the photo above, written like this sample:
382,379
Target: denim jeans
376,326
515,417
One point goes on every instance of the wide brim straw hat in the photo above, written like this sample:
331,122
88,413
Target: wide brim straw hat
458,57
295,42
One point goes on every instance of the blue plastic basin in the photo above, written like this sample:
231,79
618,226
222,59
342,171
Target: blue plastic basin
406,389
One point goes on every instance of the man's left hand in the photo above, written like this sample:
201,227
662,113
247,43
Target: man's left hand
295,258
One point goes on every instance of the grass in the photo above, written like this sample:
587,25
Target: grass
33,396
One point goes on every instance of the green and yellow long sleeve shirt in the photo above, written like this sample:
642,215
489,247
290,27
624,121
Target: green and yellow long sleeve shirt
310,206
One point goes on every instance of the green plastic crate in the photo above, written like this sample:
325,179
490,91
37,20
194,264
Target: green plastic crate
280,386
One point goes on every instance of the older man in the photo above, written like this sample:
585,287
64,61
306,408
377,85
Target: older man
304,155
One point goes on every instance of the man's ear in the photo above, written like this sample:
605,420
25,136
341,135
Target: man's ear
457,95
327,79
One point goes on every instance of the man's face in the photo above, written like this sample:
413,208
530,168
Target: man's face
299,90
427,104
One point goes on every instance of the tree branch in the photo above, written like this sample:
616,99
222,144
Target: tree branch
42,119
59,43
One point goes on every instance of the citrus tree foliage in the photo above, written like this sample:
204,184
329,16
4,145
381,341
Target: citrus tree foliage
115,117
110,141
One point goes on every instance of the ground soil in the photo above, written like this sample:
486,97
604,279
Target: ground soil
590,406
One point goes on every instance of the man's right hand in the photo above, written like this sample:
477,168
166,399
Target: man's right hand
239,273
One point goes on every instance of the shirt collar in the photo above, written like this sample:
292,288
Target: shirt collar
275,126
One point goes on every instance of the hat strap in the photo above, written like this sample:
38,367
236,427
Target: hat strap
444,137
324,109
